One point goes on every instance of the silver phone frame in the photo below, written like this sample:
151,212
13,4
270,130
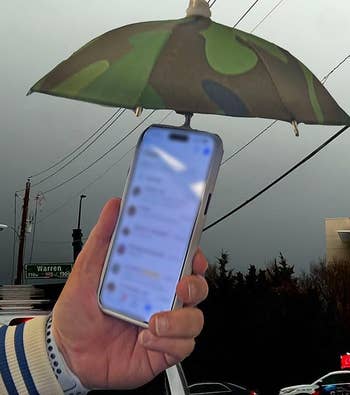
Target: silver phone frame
197,227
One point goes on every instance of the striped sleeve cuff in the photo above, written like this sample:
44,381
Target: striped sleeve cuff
24,363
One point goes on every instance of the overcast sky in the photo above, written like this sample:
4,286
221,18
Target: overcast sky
38,130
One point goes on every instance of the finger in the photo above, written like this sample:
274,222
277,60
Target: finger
192,290
199,264
174,350
181,323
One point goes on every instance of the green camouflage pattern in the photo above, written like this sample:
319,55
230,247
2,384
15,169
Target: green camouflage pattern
193,65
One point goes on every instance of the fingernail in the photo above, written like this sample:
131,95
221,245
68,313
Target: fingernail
161,325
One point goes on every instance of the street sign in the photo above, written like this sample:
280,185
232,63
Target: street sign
48,271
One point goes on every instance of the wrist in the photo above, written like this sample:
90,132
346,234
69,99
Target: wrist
69,382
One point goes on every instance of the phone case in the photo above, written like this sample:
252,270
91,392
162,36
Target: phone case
197,228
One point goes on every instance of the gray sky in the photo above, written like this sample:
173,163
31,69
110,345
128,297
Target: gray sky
38,130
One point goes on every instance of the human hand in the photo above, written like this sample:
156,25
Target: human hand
105,352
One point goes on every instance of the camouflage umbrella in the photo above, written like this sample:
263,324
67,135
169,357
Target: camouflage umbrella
193,65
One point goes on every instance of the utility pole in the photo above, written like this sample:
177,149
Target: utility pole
34,228
22,235
77,234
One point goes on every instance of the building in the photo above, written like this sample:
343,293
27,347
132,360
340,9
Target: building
337,239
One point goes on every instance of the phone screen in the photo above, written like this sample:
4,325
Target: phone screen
160,208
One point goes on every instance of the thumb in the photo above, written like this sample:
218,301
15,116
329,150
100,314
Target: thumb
103,230
91,259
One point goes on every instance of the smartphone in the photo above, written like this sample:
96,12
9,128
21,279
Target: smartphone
165,201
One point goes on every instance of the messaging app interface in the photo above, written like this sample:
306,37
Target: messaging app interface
160,209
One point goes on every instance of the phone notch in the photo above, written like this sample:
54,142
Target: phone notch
178,137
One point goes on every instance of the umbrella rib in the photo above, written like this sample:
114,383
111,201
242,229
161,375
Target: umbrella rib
155,63
324,80
292,117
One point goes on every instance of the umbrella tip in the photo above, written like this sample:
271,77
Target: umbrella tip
198,8
295,128
138,111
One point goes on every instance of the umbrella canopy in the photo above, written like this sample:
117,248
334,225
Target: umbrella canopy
193,65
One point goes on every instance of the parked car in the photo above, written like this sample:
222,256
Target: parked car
335,377
216,388
176,384
333,389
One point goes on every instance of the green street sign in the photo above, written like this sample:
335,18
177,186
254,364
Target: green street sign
48,271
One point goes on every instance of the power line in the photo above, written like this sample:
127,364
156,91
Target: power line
210,5
308,157
77,148
249,142
313,153
96,179
325,78
86,187
81,152
99,158
246,13
166,116
267,15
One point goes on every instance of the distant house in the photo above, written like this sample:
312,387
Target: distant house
337,239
